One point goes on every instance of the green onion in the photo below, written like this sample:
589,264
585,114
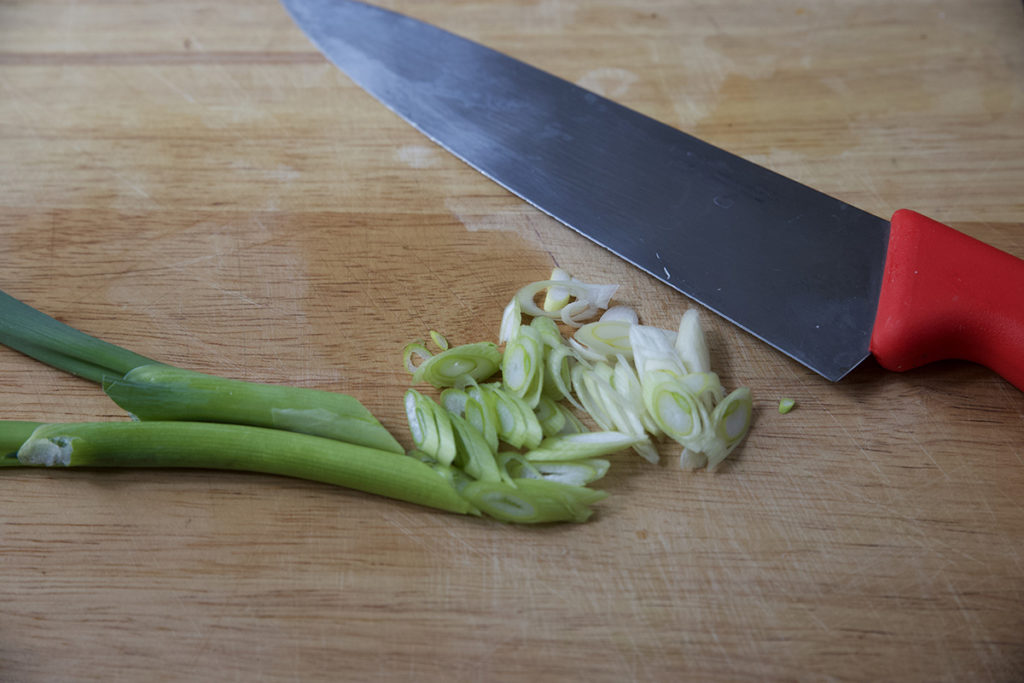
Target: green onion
556,298
39,336
235,447
152,390
439,340
786,405
552,420
532,501
572,472
731,422
162,392
522,366
606,338
622,314
517,424
558,364
454,400
591,298
573,425
430,426
480,411
476,361
691,343
677,412
577,446
13,433
473,453
511,320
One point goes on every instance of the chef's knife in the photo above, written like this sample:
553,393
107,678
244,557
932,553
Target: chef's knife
822,281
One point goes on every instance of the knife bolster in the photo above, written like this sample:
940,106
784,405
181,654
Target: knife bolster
946,295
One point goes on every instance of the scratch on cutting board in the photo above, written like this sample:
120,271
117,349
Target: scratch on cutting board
928,454
163,79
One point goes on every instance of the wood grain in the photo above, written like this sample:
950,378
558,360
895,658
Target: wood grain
194,181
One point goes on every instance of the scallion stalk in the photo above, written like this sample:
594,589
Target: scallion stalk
206,445
152,390
13,433
162,392
39,336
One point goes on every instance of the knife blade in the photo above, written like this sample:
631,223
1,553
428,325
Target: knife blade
820,280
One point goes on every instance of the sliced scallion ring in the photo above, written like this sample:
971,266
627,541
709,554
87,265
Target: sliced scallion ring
608,338
454,400
472,452
572,472
477,361
522,366
555,298
596,296
511,319
430,426
481,414
532,501
552,420
548,332
691,344
439,340
412,350
558,364
578,446
621,313
731,421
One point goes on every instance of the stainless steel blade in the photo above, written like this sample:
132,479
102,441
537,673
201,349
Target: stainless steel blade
795,267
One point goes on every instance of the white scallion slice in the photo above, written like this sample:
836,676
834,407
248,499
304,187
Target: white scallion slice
585,354
580,446
575,313
596,296
691,344
511,319
556,298
677,412
608,338
590,398
621,314
573,424
558,364
692,460
572,472
653,349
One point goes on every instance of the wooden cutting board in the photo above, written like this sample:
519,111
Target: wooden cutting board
194,181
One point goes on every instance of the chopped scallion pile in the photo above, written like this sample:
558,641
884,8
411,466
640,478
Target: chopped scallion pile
504,436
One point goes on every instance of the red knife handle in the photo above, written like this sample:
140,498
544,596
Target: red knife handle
946,295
